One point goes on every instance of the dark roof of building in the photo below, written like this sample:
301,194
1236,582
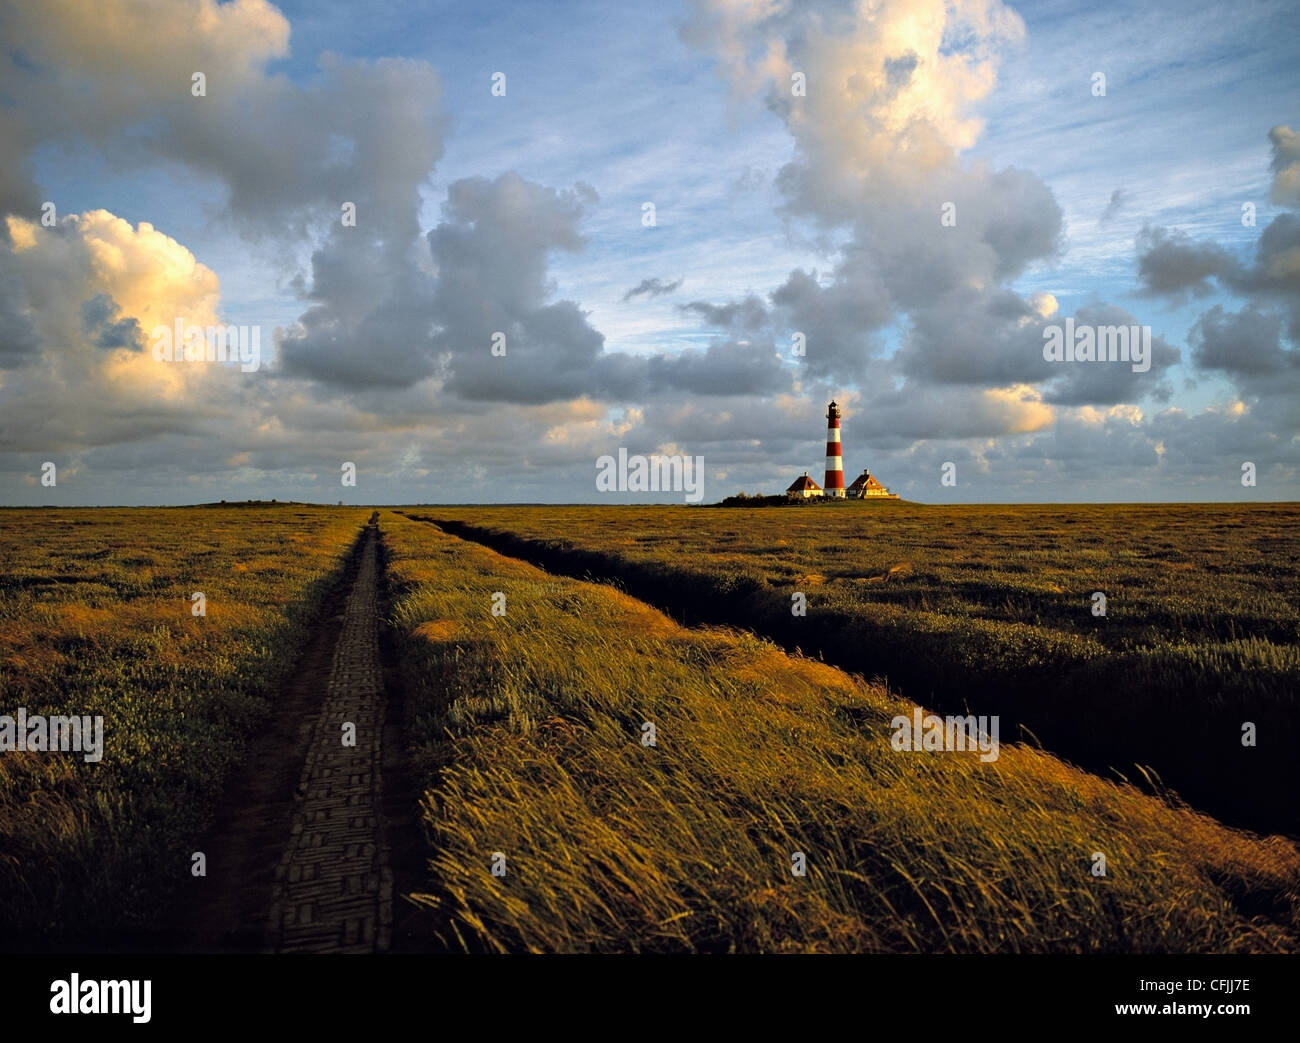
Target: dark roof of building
865,481
802,484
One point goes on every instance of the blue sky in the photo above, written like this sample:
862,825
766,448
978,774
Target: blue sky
605,109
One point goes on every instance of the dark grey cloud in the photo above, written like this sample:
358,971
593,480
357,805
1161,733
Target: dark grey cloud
1277,260
1244,343
1285,189
945,282
745,315
1017,216
652,288
19,342
1170,263
1110,383
1249,346
973,337
838,320
491,253
723,368
1117,201
103,328
370,314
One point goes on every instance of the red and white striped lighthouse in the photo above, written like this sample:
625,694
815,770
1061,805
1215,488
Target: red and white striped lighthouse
834,484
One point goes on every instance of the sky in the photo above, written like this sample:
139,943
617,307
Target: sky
478,247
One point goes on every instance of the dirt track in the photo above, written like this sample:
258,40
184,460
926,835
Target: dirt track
298,855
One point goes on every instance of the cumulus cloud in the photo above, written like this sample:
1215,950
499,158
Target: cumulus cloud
932,242
98,70
19,343
1277,267
932,245
1170,262
491,253
905,415
886,96
288,154
91,290
492,287
837,318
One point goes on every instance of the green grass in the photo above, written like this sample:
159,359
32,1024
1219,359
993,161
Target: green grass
528,727
95,618
991,607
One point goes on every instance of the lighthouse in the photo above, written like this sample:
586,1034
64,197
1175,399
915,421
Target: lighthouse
834,485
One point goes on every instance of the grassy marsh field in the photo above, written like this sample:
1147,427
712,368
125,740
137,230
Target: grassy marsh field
96,618
525,729
991,608
529,727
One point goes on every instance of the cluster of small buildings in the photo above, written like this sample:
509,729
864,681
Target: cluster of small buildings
864,487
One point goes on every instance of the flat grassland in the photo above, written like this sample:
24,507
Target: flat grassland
991,608
528,727
531,727
96,617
